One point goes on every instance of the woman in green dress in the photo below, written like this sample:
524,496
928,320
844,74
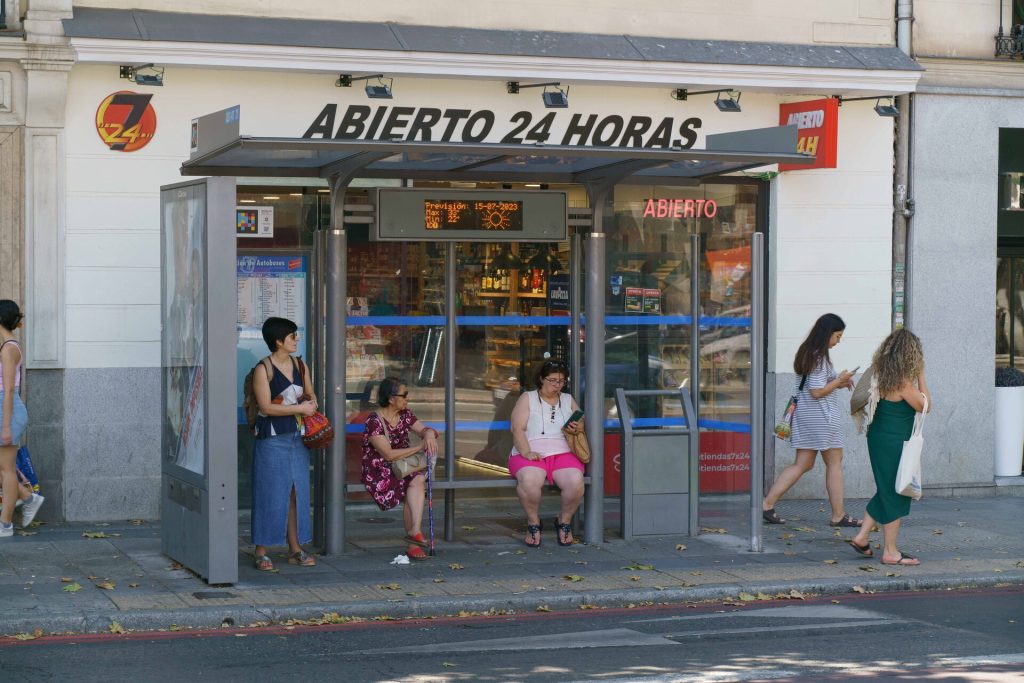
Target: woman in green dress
901,393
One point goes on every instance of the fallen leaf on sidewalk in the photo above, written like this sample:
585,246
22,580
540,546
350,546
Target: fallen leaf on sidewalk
634,567
575,578
803,528
732,603
696,573
796,595
66,579
830,561
469,528
438,580
389,586
786,536
447,665
680,546
72,587
687,584
455,565
1017,564
634,578
133,585
115,627
23,636
712,530
893,574
746,597
762,596
586,606
22,532
859,589
542,608
937,532
106,585
835,602
135,522
867,568
93,534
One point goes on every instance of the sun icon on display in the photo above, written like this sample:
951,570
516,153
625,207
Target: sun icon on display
496,219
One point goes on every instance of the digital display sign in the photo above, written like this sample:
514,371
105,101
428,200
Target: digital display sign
465,214
461,215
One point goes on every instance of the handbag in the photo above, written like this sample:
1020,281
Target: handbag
317,431
403,467
23,463
861,392
578,444
784,427
908,476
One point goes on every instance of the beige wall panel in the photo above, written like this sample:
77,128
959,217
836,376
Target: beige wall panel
783,22
958,28
11,235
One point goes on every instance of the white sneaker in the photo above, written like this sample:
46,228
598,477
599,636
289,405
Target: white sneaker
30,508
6,530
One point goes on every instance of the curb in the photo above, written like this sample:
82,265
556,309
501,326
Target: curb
238,617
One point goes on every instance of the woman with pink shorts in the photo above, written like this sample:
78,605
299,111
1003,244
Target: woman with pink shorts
540,451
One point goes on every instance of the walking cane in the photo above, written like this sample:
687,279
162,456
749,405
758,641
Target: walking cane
430,500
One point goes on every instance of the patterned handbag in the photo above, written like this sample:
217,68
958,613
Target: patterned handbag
784,427
317,431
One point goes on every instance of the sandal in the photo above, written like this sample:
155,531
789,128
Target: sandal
905,560
864,550
847,520
416,554
416,540
264,564
534,531
564,530
772,517
302,558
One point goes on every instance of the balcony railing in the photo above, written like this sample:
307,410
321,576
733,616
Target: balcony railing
1012,45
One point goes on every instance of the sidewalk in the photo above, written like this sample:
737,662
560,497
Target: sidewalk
961,542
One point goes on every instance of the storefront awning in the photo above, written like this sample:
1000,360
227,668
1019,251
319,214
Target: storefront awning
496,162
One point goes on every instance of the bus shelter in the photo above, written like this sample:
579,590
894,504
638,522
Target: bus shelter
200,484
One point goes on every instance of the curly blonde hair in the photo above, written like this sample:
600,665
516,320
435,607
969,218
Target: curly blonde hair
899,359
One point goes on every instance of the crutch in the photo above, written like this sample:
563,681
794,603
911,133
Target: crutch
430,500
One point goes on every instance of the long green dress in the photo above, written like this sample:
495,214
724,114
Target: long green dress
891,426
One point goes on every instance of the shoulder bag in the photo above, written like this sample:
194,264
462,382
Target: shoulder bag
403,467
784,427
908,476
578,443
316,429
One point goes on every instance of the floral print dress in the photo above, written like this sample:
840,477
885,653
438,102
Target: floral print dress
387,489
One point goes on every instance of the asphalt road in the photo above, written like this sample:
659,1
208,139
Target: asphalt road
948,636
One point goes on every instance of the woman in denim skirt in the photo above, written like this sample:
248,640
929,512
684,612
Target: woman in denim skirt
280,461
13,423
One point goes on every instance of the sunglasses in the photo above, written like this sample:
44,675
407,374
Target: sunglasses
405,395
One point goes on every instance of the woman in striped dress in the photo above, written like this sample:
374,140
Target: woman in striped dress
816,421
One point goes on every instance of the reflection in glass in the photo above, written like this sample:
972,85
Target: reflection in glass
184,313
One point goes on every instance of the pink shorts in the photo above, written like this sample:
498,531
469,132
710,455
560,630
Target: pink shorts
550,464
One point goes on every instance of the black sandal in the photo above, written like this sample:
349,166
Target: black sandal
563,529
534,531
864,550
772,517
847,520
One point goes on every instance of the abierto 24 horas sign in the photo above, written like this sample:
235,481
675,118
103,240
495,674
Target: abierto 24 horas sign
434,124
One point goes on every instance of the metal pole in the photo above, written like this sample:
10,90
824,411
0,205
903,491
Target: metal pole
335,265
756,388
695,327
450,294
575,305
594,386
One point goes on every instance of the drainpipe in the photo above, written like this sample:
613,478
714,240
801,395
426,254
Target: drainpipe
903,203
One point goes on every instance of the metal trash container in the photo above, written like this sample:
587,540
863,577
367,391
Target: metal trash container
660,491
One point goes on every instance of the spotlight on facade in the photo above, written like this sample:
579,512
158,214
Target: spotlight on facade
888,110
380,90
553,99
147,74
730,103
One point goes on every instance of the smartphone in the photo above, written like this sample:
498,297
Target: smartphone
575,417
854,371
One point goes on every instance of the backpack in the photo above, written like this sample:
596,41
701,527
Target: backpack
249,404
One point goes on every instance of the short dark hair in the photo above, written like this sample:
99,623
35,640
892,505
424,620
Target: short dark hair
549,367
388,388
10,314
276,330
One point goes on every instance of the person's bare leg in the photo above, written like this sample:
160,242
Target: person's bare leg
9,481
789,476
863,536
529,481
412,513
890,534
293,526
570,482
833,458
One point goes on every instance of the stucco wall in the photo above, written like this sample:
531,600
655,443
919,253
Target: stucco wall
963,29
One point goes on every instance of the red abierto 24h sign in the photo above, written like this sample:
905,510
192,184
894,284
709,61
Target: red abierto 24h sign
818,124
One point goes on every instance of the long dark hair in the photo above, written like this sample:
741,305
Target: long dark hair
814,350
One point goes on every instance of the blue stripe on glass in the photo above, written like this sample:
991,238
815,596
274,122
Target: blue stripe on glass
643,422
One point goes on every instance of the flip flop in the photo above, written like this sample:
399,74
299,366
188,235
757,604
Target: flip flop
905,560
302,558
264,563
564,530
416,554
847,520
772,517
416,540
534,531
864,550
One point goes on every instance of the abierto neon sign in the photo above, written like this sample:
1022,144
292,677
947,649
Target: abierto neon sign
680,208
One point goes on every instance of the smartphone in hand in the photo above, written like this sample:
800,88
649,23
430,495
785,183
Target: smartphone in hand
575,417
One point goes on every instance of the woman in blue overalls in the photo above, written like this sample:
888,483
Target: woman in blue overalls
280,461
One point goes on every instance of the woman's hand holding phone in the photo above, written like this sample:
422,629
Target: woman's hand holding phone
572,425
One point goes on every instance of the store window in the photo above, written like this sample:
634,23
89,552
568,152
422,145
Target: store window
1010,250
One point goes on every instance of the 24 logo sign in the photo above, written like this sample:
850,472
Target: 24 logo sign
126,121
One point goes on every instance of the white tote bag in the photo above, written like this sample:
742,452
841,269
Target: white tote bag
908,476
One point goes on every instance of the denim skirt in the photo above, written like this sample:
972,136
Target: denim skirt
279,464
19,418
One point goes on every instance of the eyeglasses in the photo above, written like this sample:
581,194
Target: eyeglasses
556,382
405,395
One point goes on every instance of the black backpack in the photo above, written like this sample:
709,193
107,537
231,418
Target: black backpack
249,404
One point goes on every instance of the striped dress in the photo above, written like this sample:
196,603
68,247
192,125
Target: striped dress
816,422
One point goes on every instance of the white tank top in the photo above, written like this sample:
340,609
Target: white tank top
544,427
